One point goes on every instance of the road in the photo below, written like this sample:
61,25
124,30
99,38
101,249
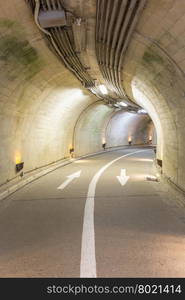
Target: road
126,230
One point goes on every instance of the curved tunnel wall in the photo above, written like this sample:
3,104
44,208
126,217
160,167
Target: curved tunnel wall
89,129
98,124
41,102
124,125
142,98
154,75
40,99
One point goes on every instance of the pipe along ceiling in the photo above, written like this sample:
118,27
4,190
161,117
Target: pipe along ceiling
78,74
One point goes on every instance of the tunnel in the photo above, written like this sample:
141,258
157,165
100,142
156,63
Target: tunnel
92,97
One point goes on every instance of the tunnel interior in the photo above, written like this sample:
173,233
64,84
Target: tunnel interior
46,110
92,127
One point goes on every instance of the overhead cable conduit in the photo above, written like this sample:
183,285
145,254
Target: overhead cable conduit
57,25
115,22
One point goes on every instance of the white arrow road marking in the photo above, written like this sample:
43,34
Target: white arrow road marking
123,178
70,178
88,257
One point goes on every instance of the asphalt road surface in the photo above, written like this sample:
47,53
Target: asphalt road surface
106,220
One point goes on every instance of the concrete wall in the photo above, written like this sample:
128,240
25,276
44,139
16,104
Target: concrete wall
98,124
154,76
89,129
40,100
124,125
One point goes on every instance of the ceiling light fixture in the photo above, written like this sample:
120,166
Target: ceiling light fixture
103,89
142,111
123,104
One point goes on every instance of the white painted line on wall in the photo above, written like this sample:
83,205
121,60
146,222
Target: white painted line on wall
70,178
88,256
123,178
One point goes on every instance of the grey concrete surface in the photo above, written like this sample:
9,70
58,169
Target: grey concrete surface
137,233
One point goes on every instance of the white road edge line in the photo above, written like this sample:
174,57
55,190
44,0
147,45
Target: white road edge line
88,256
